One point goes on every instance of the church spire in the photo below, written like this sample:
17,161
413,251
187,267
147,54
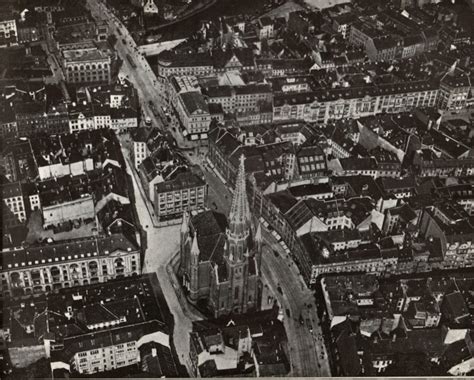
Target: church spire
195,246
258,235
239,216
185,223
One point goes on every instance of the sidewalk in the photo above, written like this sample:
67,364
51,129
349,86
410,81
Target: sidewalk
149,206
308,299
138,183
216,172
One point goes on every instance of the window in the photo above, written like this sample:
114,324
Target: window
236,292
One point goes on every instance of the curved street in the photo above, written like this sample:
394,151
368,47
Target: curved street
307,352
306,347
162,244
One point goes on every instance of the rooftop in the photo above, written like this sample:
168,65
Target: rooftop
66,250
84,55
183,180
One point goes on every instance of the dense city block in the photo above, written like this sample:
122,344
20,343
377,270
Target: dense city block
220,188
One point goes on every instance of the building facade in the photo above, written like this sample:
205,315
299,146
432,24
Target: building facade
453,93
335,104
194,114
198,64
140,152
8,32
240,99
87,65
42,268
119,347
185,192
31,118
12,196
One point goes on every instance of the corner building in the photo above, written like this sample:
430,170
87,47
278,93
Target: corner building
220,258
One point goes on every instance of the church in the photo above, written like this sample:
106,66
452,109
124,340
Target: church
220,257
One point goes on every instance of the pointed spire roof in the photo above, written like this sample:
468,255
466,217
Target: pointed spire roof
258,234
195,247
185,222
239,216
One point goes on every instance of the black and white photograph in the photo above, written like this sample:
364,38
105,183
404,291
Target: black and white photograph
237,188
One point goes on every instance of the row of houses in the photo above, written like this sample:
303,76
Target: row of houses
114,107
198,101
358,216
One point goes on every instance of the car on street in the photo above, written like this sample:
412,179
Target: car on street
279,290
301,320
288,313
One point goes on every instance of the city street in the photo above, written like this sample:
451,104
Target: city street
162,244
308,356
149,87
141,76
308,353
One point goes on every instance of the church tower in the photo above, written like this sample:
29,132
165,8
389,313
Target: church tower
194,280
220,259
239,255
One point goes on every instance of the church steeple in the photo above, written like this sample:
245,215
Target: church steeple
239,217
185,223
194,246
258,235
